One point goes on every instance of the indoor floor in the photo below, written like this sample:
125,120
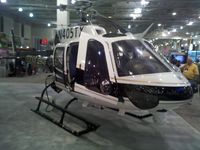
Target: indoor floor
22,129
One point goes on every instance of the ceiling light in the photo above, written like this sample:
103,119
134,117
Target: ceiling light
199,17
138,10
190,23
48,24
3,1
20,9
109,16
174,30
181,27
195,36
168,33
134,16
73,1
156,38
143,2
159,24
31,14
174,13
164,34
187,33
129,26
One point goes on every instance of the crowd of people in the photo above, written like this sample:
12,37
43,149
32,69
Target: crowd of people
20,67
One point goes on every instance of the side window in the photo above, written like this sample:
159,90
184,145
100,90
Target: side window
96,70
58,58
73,59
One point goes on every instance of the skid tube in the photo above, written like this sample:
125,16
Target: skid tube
133,115
89,125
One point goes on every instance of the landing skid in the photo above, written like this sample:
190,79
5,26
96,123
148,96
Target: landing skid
139,116
133,115
89,125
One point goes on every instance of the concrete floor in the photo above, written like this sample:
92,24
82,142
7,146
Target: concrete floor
21,129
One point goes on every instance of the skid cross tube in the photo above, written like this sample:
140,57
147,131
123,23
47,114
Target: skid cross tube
89,125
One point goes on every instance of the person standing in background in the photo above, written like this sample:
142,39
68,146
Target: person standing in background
191,72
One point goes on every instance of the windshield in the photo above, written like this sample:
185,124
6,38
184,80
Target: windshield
134,58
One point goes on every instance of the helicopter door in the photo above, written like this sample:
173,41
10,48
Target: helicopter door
71,59
59,64
96,76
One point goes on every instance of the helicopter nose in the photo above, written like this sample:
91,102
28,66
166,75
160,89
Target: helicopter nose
141,99
148,97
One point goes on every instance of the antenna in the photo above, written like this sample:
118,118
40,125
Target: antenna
141,35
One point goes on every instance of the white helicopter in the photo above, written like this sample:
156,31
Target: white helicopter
100,63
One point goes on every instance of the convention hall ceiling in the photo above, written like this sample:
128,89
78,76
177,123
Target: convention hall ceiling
173,16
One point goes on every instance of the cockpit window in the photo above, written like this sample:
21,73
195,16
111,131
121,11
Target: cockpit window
134,58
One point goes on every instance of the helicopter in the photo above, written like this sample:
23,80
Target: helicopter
99,62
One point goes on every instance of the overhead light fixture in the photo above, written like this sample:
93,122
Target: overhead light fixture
109,16
138,10
48,24
187,33
20,9
195,36
144,3
3,1
174,14
174,30
129,26
164,34
168,32
159,24
190,23
134,16
73,1
181,27
31,15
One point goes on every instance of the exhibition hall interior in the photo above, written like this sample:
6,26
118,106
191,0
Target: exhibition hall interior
99,74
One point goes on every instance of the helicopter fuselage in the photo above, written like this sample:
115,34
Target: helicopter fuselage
116,70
